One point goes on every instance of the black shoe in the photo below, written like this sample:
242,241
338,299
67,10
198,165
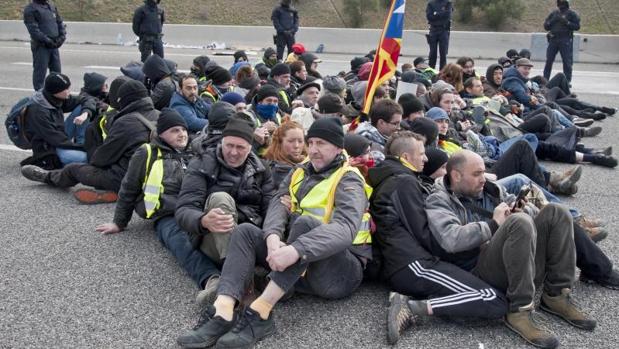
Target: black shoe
248,330
208,330
590,131
609,111
35,173
604,160
592,116
604,151
399,317
611,281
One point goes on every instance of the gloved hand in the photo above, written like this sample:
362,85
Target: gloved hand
60,40
49,43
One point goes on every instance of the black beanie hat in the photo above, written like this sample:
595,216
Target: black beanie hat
330,129
169,118
425,127
356,145
238,127
219,75
266,91
219,115
357,62
114,89
280,69
410,104
131,91
56,82
436,159
93,83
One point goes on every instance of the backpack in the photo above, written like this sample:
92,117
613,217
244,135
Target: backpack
15,123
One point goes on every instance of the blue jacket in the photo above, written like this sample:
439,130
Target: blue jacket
195,114
44,23
148,19
438,14
285,18
515,84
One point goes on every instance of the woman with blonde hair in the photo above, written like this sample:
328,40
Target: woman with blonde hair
452,74
287,149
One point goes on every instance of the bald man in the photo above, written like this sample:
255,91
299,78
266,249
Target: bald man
510,246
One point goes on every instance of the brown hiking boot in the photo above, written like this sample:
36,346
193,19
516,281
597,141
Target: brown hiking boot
89,196
209,293
399,317
522,322
565,183
564,307
597,234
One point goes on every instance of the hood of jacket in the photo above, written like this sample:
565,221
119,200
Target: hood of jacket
155,68
490,74
141,105
40,99
389,167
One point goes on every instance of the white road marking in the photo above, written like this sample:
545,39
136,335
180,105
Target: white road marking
11,147
16,89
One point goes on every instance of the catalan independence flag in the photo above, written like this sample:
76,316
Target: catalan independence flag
387,53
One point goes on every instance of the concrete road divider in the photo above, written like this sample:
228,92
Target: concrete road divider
480,45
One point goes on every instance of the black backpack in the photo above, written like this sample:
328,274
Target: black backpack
15,123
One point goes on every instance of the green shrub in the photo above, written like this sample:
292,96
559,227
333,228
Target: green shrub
356,10
494,12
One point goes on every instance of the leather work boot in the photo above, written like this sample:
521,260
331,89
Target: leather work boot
209,293
522,323
565,183
564,307
35,173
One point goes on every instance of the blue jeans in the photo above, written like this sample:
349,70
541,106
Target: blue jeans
530,138
512,185
71,156
75,132
177,241
563,120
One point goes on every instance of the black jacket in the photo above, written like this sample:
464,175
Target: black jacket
562,23
285,19
131,195
251,188
44,24
125,136
160,81
148,19
45,122
438,14
397,207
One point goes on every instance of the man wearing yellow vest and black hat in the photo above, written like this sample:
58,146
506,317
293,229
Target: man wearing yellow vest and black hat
151,188
318,246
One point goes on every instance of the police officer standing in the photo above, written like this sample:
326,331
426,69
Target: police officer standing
47,34
438,14
147,25
561,24
286,22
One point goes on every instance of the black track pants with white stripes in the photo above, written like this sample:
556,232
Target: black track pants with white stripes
451,291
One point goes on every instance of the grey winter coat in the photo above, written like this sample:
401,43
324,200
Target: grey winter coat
339,233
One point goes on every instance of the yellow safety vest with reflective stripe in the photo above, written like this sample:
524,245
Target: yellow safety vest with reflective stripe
284,96
319,202
103,123
449,147
153,182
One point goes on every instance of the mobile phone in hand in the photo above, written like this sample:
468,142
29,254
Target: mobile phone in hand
524,191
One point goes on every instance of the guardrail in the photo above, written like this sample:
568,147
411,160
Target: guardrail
481,45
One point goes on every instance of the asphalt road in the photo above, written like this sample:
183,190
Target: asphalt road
65,286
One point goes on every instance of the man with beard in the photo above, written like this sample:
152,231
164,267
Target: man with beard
187,103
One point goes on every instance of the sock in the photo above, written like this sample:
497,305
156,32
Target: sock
262,307
418,307
588,157
224,307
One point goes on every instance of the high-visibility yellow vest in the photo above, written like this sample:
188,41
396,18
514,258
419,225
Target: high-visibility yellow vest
103,123
259,123
284,97
449,147
319,202
153,182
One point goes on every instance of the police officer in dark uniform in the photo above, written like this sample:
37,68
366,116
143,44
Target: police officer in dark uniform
286,22
147,25
47,34
438,14
561,24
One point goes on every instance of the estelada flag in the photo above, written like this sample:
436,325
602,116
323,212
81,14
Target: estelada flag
387,53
